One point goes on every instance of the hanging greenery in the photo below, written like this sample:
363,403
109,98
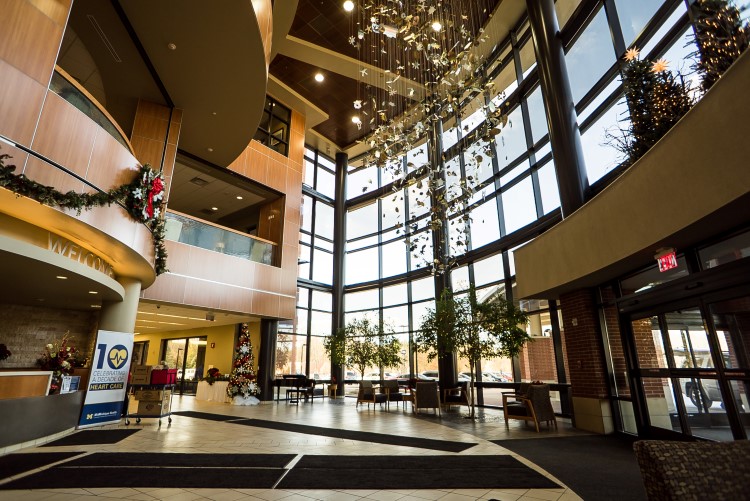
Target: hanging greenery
143,199
720,38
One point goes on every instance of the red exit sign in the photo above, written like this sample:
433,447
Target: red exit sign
667,261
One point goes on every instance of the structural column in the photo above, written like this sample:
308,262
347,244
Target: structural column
440,247
339,236
565,137
267,357
586,362
120,316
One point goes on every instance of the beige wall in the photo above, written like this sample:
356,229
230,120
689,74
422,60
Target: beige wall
220,356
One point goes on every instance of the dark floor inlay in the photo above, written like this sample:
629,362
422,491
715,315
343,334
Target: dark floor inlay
363,436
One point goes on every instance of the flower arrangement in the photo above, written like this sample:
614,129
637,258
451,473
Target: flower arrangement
4,352
58,357
214,375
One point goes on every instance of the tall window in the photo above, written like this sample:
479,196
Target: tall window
273,130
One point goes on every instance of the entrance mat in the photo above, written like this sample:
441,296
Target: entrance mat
596,467
93,437
13,464
168,459
186,478
363,436
413,472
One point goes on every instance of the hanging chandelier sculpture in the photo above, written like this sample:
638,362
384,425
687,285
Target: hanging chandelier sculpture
422,64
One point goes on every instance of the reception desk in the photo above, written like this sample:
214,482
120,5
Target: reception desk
216,392
20,384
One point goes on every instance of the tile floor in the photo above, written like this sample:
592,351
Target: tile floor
200,436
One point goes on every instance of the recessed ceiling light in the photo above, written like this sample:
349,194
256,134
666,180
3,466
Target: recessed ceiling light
437,26
62,277
93,292
96,306
239,197
210,149
319,77
171,46
355,119
348,5
213,113
214,208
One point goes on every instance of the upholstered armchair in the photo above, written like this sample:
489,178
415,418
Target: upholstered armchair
392,392
535,405
368,395
457,396
426,396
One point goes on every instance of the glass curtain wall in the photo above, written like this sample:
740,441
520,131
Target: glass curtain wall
388,245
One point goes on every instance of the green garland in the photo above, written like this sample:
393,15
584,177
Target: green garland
47,195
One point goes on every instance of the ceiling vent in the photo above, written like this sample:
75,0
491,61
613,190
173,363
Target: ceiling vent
199,181
107,43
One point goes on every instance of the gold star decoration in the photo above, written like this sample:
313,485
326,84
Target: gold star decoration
659,66
632,54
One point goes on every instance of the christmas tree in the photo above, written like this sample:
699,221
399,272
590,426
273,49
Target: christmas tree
656,101
242,384
720,38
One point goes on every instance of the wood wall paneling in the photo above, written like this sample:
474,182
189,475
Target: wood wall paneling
44,173
29,39
28,385
287,307
21,100
271,221
110,165
236,299
168,288
56,10
65,135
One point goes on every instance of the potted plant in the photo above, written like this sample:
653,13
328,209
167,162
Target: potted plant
473,330
363,343
58,357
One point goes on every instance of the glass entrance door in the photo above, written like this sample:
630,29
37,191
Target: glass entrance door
685,367
187,355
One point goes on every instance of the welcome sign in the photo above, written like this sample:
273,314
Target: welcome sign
109,379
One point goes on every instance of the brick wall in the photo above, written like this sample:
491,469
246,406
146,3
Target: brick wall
538,360
27,329
584,351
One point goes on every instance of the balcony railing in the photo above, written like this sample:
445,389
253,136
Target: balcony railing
66,87
191,231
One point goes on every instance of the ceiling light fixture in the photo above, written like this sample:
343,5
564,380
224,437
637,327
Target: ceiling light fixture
239,197
356,119
319,77
436,26
171,46
93,292
210,149
214,208
96,306
348,5
62,277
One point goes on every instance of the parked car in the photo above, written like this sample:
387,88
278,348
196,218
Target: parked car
707,391
375,376
430,375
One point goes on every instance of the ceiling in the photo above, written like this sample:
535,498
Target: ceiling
157,317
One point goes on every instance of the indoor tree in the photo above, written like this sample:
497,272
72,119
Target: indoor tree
363,343
471,329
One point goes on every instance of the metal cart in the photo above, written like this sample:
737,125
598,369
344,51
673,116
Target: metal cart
161,397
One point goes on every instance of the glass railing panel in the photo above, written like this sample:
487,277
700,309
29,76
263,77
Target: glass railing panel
63,88
190,231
